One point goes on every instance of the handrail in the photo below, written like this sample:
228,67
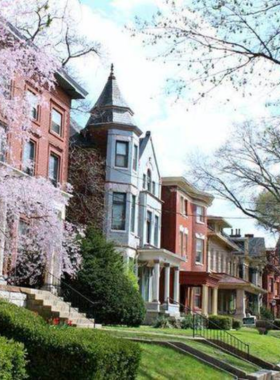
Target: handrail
216,334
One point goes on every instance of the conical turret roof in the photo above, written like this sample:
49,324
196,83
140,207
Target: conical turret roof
111,106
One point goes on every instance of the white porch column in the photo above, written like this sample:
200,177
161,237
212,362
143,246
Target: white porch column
176,284
204,300
240,303
215,301
156,281
3,221
166,282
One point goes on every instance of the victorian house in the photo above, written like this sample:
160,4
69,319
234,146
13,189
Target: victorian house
132,200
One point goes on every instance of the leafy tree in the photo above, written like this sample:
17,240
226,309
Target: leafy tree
104,280
217,41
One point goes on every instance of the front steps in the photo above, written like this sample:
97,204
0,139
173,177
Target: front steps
50,306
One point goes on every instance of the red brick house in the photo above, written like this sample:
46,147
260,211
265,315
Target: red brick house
271,282
184,231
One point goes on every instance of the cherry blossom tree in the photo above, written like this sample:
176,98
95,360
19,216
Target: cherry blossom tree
33,48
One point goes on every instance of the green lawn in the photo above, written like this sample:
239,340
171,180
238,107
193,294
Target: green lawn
159,363
266,347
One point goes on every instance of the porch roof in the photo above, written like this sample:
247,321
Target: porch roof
159,254
198,278
229,282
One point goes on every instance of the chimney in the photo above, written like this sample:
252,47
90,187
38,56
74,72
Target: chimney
250,236
237,233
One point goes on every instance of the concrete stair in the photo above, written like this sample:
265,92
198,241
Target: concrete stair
50,306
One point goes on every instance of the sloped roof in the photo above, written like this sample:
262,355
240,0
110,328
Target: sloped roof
257,246
111,106
143,144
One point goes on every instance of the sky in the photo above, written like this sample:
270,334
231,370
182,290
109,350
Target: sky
178,128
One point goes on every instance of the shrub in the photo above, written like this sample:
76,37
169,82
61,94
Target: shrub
266,313
62,354
187,322
162,322
262,330
105,281
276,322
12,360
236,324
265,324
219,322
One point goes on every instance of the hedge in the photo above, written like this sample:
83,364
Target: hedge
236,324
12,360
63,354
219,322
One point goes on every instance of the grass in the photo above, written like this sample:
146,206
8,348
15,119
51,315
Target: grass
266,347
160,363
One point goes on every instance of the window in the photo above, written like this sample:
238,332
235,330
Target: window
182,205
271,284
121,159
33,103
156,231
199,250
149,180
54,163
56,122
186,208
133,213
212,260
149,227
181,242
119,211
144,181
197,297
6,87
154,188
29,157
135,157
199,214
185,250
3,139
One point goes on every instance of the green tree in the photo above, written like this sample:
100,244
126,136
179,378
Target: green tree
104,279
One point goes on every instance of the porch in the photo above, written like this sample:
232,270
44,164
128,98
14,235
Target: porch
158,273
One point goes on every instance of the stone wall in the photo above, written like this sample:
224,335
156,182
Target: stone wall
15,297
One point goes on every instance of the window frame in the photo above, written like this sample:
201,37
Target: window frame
61,112
149,180
144,181
156,231
36,108
58,180
118,155
29,170
200,218
201,261
197,294
133,213
124,204
135,157
149,227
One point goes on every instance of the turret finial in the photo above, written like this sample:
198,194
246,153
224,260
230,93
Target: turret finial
112,75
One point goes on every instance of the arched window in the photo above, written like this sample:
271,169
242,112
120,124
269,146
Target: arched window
149,180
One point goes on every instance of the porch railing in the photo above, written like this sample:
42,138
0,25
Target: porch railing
222,338
69,294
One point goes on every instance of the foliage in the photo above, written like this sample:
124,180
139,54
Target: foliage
266,314
276,322
59,353
236,324
216,42
264,324
262,330
12,360
162,322
219,322
187,322
103,279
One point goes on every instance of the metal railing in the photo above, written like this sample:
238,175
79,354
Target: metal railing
77,300
211,332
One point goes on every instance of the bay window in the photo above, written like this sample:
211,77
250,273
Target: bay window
119,211
121,157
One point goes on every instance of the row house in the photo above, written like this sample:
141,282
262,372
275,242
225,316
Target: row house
46,152
271,282
132,204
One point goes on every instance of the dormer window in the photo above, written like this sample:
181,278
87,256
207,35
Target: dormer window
121,159
149,180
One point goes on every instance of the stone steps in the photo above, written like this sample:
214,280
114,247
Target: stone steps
50,306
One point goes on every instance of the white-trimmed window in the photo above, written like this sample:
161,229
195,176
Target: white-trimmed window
199,254
133,213
54,167
119,211
135,157
144,181
156,231
149,180
154,187
28,161
149,227
199,214
181,242
33,103
182,205
56,124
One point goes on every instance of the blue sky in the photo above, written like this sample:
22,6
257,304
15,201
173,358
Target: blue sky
177,128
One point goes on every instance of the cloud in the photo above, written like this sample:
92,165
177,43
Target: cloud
128,5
